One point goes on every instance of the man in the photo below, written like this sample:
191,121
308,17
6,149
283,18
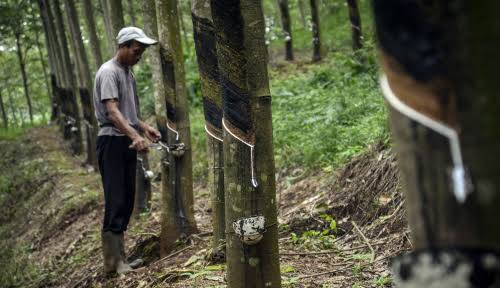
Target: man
119,139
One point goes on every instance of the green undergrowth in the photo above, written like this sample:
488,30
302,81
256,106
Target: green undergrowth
329,112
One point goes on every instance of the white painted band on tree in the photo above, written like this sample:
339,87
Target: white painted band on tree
461,184
213,136
252,168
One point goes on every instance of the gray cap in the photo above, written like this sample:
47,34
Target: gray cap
134,33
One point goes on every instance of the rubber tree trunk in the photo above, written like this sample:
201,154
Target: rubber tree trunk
115,10
111,43
44,68
287,31
69,107
91,27
249,182
22,67
441,82
357,35
206,53
5,119
85,82
180,200
316,36
52,46
151,28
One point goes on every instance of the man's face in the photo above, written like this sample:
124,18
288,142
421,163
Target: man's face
134,53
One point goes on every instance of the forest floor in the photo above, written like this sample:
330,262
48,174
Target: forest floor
337,229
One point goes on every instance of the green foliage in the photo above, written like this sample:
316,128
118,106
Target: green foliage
329,113
314,240
383,281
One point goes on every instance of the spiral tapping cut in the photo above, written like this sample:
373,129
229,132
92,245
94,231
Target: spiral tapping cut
252,168
459,176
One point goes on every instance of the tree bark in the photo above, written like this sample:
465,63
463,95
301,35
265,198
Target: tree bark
172,62
44,68
316,36
441,63
287,31
111,43
52,49
22,67
116,22
85,82
94,40
206,53
357,35
67,92
4,113
12,108
151,28
249,187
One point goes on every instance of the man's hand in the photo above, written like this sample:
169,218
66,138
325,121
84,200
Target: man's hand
152,134
139,143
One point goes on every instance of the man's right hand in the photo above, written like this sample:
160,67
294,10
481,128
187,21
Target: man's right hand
139,143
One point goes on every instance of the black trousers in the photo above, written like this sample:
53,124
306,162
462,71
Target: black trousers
117,164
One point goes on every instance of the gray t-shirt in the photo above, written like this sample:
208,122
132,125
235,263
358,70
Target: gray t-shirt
114,81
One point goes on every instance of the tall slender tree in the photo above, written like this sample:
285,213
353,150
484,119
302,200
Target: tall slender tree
441,68
151,28
69,106
131,13
54,60
108,28
206,53
5,119
357,35
316,35
180,199
84,83
91,28
249,182
22,67
287,31
116,21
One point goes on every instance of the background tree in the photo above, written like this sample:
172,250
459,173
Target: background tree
206,54
5,119
440,80
357,35
84,82
316,36
69,106
12,23
92,32
180,200
287,31
116,21
249,179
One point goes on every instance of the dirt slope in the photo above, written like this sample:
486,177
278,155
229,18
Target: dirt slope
337,229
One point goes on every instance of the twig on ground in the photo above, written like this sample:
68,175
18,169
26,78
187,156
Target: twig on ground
148,234
170,255
328,251
364,239
327,272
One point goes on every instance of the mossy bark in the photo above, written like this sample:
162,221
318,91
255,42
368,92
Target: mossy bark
172,65
356,32
439,60
316,35
206,53
69,104
287,30
84,82
92,32
242,58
